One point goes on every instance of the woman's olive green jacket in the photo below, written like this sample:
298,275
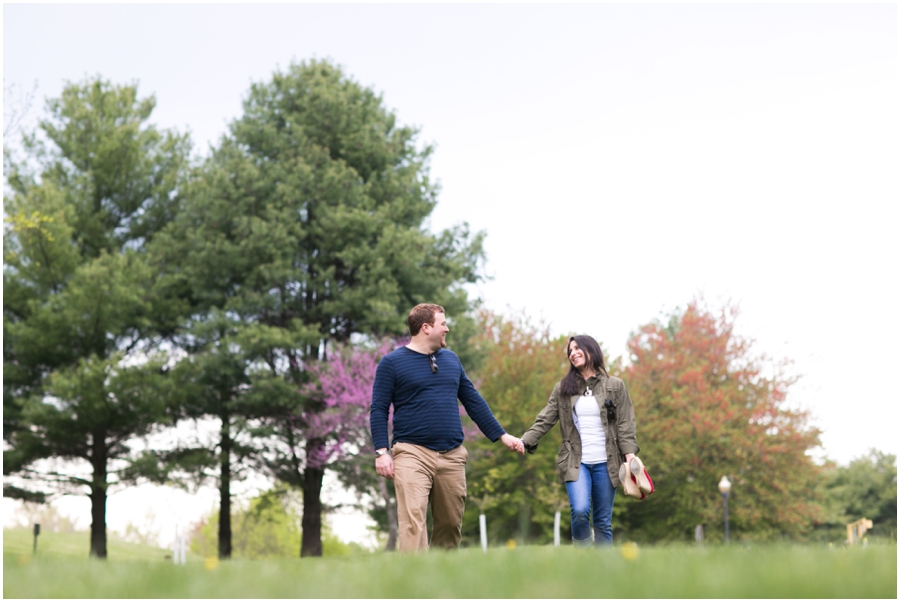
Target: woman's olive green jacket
620,438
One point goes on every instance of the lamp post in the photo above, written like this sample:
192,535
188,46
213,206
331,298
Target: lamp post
725,489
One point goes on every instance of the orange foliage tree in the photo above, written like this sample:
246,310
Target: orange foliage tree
519,495
706,407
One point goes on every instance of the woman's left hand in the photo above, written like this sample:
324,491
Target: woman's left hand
628,457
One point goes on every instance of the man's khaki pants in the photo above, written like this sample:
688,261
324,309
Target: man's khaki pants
422,475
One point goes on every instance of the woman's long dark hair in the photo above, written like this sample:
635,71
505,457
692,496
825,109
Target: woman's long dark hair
569,384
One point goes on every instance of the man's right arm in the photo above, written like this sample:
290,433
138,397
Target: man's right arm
382,397
384,465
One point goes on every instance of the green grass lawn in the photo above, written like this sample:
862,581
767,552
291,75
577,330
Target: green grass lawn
737,571
18,542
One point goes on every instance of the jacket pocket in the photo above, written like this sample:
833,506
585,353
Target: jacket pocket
562,458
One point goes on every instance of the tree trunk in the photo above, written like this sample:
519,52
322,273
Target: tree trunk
312,504
391,515
225,491
98,497
524,522
98,518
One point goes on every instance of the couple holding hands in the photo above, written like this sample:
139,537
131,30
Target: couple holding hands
422,381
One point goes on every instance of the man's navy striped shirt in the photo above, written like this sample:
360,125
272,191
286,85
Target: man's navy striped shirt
425,409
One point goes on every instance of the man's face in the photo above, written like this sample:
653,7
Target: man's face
437,333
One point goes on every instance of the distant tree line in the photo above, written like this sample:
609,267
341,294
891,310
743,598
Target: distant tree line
706,406
256,288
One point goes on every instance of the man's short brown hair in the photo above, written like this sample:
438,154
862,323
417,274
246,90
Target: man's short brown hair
423,313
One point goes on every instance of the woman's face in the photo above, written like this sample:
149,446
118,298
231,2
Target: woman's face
578,357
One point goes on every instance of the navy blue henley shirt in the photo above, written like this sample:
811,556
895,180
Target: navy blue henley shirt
426,412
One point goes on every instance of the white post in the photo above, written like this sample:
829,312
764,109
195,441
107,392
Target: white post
482,526
175,548
556,529
179,552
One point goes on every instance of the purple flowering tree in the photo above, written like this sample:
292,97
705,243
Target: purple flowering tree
341,389
347,381
330,430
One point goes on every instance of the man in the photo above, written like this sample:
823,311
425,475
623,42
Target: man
427,460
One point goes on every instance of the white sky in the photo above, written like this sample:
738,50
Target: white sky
622,158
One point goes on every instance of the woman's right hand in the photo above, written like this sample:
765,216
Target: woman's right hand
524,447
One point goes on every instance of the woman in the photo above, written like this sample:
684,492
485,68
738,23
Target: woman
596,418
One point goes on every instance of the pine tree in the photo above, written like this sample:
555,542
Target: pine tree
81,311
306,227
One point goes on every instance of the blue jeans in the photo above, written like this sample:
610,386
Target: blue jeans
592,495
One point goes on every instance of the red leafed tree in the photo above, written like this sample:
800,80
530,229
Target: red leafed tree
707,407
